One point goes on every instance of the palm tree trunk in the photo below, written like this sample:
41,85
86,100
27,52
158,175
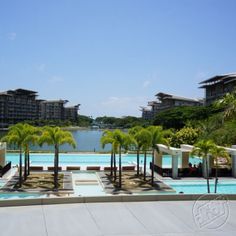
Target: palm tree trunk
216,177
207,176
26,165
152,167
120,180
56,168
145,161
28,162
111,164
138,162
114,167
20,169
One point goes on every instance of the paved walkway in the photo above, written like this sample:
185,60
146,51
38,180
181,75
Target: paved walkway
136,218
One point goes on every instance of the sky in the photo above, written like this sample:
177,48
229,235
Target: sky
113,56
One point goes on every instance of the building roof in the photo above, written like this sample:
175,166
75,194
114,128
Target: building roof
151,103
225,78
55,101
165,96
72,107
19,91
145,109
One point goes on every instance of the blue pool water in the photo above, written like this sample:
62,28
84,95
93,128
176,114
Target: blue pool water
200,186
20,195
88,159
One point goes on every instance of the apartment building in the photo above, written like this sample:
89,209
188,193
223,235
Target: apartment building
217,86
165,102
21,105
18,105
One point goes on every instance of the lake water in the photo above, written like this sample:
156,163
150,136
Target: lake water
87,140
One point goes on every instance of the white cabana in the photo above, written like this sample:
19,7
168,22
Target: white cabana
184,152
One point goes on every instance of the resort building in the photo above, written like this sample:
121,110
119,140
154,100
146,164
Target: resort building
165,102
56,110
217,86
22,105
52,110
18,105
71,113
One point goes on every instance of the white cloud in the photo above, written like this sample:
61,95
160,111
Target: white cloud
146,83
56,79
11,36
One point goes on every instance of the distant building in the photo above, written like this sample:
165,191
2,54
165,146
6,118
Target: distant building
217,86
21,105
18,105
52,110
165,102
71,113
56,110
147,113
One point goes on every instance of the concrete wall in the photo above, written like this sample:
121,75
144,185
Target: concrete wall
2,154
2,157
158,159
185,159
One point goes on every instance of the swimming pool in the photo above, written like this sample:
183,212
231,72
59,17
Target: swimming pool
200,186
87,184
20,195
43,159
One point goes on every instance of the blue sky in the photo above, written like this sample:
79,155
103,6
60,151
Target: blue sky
114,55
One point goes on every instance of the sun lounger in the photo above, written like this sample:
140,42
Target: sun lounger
73,168
51,168
108,168
128,168
93,168
36,168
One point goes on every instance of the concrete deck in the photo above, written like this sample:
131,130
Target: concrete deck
92,219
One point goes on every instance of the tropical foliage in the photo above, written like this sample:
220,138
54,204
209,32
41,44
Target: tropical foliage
218,153
22,135
228,104
203,149
178,117
56,136
157,136
123,123
108,138
186,135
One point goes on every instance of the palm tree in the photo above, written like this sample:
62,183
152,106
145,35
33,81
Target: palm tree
31,139
56,136
136,133
216,153
228,103
20,135
157,137
121,140
203,149
107,138
146,137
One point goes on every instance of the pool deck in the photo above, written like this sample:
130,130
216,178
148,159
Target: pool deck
103,219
